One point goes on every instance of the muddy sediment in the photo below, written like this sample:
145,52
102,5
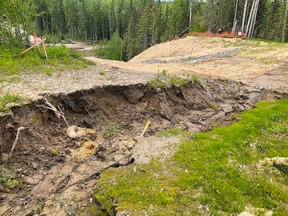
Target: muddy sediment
44,154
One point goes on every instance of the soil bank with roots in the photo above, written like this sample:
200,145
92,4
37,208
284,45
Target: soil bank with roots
59,171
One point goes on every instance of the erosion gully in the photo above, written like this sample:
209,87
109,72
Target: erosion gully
58,171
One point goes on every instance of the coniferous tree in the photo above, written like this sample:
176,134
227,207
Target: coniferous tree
129,41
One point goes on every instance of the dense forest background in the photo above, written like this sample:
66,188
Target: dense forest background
139,24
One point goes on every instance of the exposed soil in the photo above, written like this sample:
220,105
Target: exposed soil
108,106
59,182
254,63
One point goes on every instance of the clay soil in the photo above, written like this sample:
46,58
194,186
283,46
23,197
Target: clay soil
112,103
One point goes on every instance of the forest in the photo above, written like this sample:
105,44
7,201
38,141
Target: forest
139,24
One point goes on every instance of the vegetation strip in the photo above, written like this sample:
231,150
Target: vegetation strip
217,172
60,59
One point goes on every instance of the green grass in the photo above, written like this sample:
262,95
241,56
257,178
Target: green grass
8,99
172,133
8,177
59,59
217,171
111,129
163,79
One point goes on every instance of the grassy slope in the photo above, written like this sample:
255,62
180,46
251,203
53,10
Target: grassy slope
218,172
60,58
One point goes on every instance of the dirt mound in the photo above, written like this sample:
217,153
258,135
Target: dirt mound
257,63
56,181
182,48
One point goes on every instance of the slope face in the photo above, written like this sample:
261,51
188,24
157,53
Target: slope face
184,47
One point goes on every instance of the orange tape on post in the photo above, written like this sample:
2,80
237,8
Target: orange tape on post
42,41
44,47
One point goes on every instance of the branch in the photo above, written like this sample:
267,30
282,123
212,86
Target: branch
16,140
58,112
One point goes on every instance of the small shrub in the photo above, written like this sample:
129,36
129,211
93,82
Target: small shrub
8,177
156,83
163,73
160,79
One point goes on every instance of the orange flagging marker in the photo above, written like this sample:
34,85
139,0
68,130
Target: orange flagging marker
36,44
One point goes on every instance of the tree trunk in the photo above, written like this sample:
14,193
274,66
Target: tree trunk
284,23
250,17
190,14
244,16
254,19
110,24
235,17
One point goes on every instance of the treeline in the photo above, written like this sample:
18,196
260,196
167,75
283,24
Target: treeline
143,23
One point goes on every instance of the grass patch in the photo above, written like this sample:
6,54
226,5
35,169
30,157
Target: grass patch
111,129
8,99
8,177
172,133
163,79
102,72
178,81
59,59
160,80
216,173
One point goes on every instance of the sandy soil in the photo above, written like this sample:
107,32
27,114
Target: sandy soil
258,63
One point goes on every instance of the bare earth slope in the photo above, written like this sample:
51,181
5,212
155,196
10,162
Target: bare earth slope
252,62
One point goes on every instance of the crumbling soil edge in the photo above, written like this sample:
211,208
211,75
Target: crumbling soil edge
190,107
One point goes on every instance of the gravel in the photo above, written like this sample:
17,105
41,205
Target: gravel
226,53
32,86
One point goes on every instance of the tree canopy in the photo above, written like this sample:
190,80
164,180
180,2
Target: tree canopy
142,23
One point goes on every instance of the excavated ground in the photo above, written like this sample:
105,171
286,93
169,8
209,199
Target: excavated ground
59,170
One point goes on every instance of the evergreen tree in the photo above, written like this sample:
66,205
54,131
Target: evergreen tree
143,31
129,40
112,49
